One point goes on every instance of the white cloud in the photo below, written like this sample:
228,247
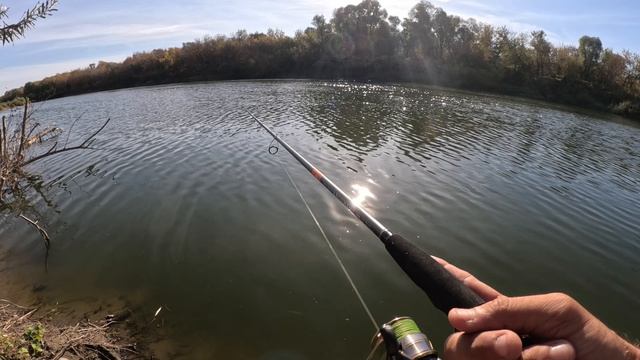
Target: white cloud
83,34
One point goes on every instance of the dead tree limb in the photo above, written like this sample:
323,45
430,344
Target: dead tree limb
23,130
16,141
2,137
42,231
84,145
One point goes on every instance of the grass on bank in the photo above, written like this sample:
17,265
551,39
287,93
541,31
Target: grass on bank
27,333
19,101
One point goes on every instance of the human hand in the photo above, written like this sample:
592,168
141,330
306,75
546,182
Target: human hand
566,329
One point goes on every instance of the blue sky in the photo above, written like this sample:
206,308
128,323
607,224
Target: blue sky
83,31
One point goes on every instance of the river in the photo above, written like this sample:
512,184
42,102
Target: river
182,207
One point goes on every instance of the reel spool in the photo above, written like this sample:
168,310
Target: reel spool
402,340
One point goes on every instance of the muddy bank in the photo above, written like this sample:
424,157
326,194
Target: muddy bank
53,332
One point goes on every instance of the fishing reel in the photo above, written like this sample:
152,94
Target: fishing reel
402,340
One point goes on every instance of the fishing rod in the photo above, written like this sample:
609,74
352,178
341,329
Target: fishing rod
443,289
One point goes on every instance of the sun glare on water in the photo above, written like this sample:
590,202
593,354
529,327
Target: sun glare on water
361,194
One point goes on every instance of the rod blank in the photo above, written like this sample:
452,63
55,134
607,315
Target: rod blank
443,289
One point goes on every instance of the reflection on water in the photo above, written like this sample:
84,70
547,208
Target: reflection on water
361,194
184,208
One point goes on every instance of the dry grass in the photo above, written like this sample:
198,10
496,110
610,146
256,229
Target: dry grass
25,333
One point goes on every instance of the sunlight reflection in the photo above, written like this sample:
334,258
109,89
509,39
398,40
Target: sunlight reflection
361,194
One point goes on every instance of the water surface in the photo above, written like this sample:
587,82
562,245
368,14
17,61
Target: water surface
183,207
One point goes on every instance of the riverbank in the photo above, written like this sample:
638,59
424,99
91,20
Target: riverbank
5,105
45,332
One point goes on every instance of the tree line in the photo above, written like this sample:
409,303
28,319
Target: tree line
363,42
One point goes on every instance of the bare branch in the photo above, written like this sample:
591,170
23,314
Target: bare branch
23,129
83,145
3,139
52,148
42,231
95,133
71,128
33,128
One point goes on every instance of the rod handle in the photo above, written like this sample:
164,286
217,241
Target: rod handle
443,289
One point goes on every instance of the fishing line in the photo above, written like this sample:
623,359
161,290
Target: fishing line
444,290
333,250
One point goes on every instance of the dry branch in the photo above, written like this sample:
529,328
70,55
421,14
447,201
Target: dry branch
15,143
43,232
23,129
44,135
84,145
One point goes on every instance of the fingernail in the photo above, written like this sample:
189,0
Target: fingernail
502,347
561,351
465,314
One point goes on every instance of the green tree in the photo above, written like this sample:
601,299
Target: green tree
364,25
322,29
462,48
590,49
417,31
612,70
632,72
513,55
484,44
542,50
444,28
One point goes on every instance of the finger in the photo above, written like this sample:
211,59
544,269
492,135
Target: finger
553,350
500,344
485,291
549,316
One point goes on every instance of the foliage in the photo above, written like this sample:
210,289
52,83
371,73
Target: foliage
34,338
14,102
363,42
27,346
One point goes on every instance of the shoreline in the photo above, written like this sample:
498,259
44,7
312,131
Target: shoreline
515,94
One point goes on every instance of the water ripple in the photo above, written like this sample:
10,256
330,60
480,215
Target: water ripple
184,203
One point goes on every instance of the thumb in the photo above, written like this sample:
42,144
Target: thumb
548,316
